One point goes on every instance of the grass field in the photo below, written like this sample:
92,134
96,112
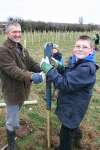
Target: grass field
34,119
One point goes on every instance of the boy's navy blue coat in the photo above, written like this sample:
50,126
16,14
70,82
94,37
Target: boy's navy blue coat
75,86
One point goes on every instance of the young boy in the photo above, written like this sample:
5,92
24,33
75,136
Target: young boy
56,54
75,84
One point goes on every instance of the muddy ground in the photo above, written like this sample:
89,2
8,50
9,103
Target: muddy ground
87,143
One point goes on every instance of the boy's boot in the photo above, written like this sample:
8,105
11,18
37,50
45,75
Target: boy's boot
77,139
11,140
57,148
77,143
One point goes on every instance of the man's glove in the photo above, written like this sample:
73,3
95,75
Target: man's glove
56,63
38,77
45,65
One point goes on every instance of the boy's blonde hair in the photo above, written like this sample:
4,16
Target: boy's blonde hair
88,38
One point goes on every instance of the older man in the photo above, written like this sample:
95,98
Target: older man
18,70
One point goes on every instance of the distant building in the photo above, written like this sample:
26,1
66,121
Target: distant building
81,20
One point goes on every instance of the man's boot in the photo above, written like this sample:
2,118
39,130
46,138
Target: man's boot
11,140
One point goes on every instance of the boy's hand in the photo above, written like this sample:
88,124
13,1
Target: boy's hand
43,76
45,65
56,63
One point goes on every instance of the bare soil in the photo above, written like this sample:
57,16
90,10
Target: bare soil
88,141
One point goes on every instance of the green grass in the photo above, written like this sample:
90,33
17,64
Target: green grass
37,117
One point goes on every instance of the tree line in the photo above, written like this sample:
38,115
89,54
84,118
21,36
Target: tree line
55,27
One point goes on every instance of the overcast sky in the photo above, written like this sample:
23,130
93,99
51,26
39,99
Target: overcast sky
61,11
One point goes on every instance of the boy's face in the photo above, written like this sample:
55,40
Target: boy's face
82,49
54,50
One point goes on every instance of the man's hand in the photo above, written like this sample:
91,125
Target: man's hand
38,77
45,65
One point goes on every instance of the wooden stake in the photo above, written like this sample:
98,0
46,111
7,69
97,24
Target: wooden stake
25,103
48,129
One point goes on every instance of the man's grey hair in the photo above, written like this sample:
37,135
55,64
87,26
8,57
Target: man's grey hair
9,26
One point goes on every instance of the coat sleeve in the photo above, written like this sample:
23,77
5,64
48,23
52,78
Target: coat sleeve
9,67
80,77
32,64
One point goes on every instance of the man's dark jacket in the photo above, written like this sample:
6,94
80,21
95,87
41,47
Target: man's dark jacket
75,86
16,67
